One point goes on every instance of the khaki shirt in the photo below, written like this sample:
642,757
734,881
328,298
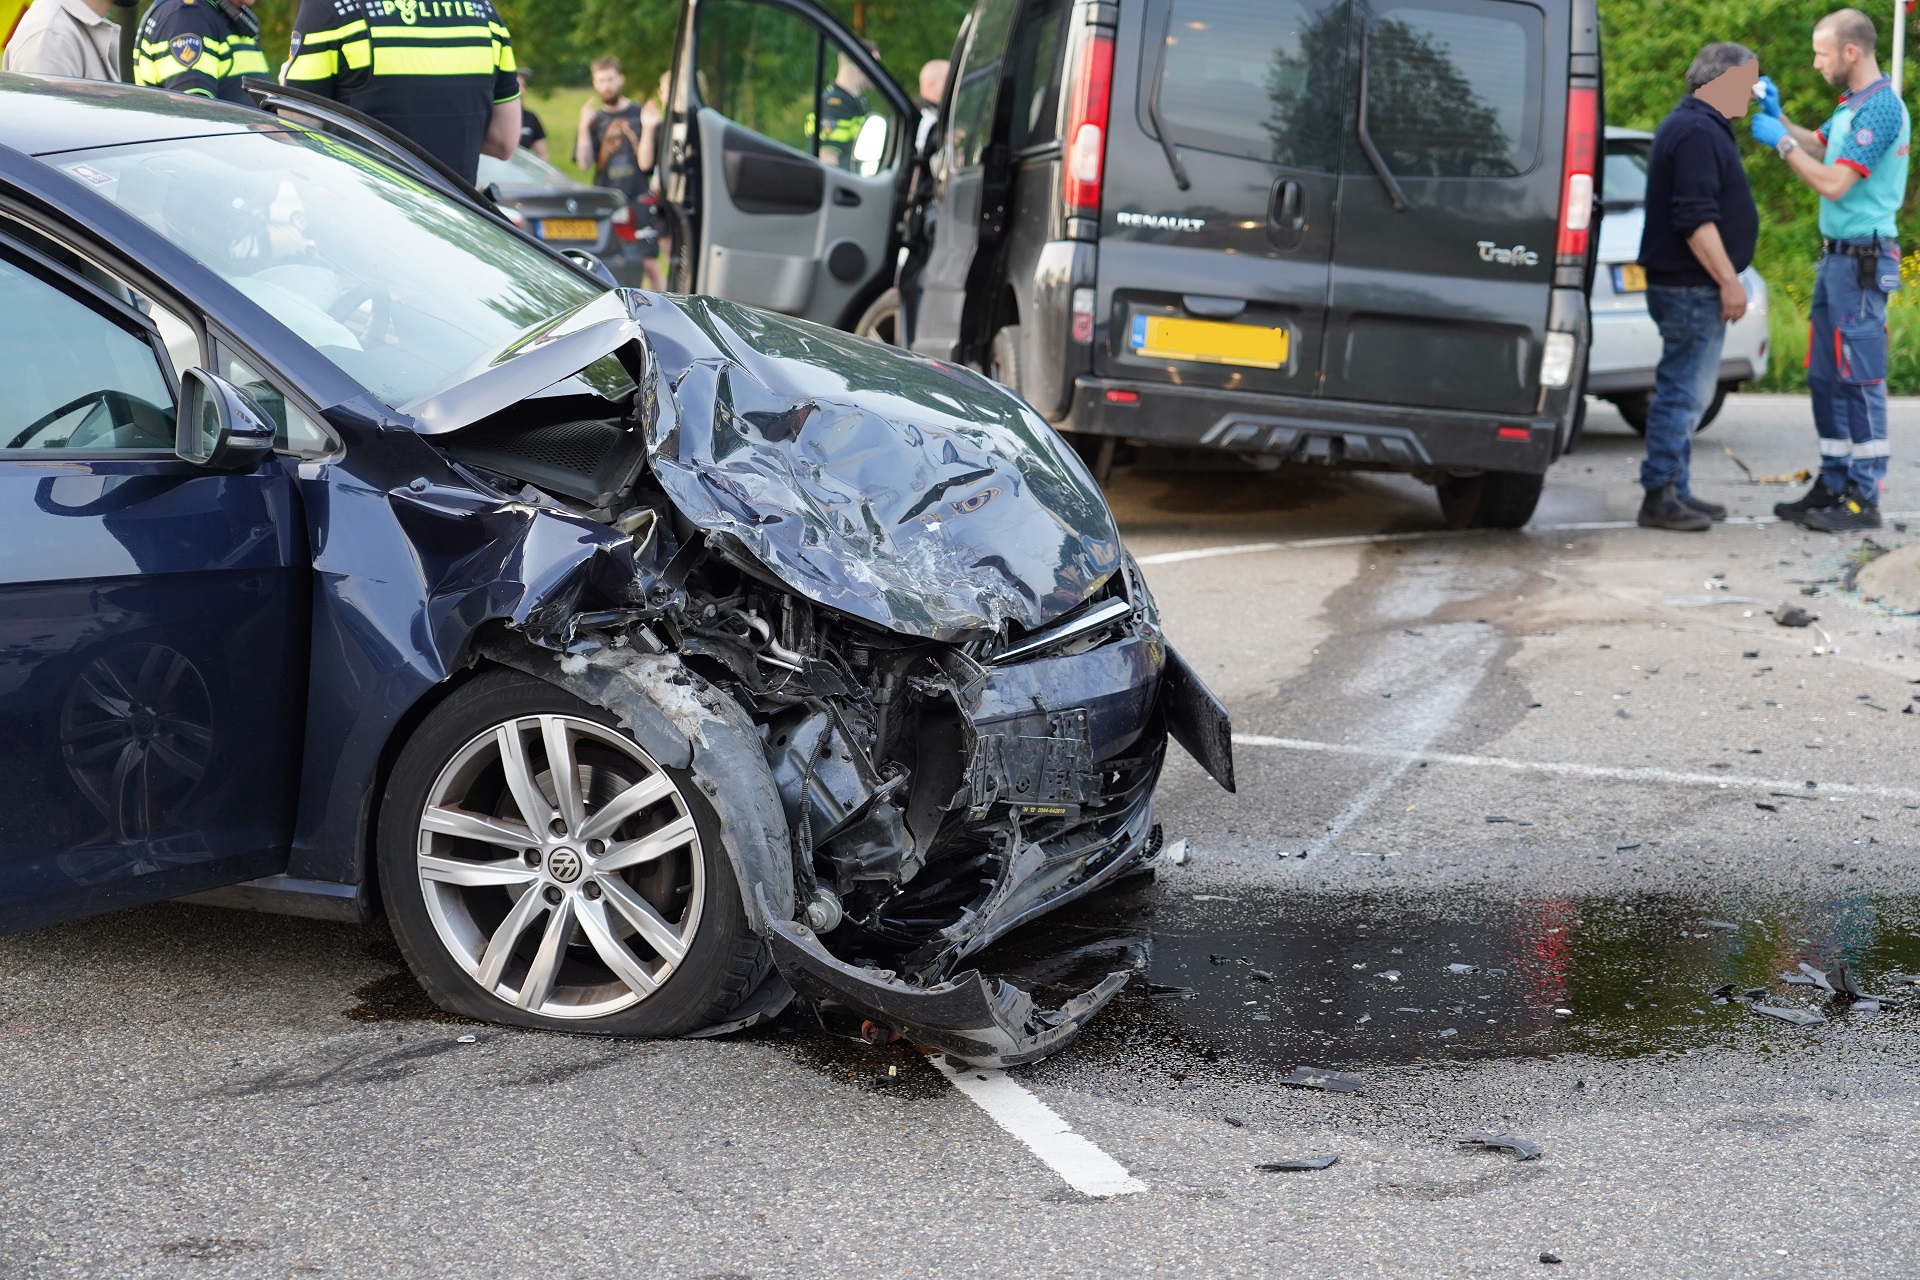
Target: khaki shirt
64,38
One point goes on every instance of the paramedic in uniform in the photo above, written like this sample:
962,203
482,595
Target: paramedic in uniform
1857,161
438,72
201,47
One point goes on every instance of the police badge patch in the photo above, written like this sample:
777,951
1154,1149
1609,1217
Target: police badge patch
185,49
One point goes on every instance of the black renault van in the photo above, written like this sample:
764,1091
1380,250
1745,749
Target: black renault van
1352,233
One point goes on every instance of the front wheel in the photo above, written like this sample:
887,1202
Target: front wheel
541,869
1490,500
881,320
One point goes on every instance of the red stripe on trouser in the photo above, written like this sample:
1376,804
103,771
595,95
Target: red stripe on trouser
1806,361
1838,368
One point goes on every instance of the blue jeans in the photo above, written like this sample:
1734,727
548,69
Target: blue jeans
1691,335
1847,370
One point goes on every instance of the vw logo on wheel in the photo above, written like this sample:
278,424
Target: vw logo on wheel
564,865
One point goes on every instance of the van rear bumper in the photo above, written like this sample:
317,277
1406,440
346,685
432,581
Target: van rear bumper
1333,433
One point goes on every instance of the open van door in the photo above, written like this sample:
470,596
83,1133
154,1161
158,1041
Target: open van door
787,143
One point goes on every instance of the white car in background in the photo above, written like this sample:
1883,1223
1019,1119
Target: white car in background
1626,346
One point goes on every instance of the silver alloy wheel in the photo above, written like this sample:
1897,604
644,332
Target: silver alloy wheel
570,891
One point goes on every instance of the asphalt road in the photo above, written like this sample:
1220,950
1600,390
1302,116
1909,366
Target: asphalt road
1579,764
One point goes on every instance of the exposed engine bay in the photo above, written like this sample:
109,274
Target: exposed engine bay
904,582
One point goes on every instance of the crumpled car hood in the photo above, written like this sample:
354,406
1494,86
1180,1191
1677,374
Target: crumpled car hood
900,490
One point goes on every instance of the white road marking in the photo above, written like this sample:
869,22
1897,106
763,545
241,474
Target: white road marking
1610,772
1085,1167
1365,539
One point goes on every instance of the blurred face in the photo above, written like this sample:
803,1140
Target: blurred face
1833,60
609,84
933,80
849,77
1731,92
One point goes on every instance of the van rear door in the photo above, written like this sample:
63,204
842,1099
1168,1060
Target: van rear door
1217,232
785,148
1443,263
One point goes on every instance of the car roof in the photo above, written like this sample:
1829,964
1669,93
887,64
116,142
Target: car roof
43,114
1615,133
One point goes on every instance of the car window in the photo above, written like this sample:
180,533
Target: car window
1256,80
294,431
977,84
1035,62
523,169
770,70
405,290
75,378
1625,181
181,340
1455,92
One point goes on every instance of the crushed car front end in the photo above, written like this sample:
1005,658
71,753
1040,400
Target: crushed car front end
956,680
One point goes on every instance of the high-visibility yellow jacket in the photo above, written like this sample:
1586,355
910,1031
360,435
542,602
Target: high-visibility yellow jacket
199,46
429,69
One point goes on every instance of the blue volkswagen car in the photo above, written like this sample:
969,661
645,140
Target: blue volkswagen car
645,660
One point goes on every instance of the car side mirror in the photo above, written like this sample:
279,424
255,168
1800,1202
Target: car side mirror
219,427
591,265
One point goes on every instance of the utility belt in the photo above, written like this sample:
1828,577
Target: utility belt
1866,252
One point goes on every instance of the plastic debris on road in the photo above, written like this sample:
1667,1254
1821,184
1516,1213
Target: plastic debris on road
1792,615
1305,1077
1299,1164
1793,1017
1522,1148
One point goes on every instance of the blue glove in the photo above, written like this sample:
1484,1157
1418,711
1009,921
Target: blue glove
1769,97
1767,130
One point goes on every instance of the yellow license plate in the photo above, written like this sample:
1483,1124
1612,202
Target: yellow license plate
569,229
1209,341
1629,277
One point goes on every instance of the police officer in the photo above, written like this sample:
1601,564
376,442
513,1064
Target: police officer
844,110
439,72
1861,175
199,46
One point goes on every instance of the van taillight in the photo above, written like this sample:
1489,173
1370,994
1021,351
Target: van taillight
1087,128
1576,172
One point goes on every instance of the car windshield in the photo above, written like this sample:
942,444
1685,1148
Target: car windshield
525,169
406,290
1625,182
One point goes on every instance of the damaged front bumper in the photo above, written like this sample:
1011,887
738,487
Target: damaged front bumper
984,1022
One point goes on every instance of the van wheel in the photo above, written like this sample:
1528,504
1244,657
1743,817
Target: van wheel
1490,500
540,869
881,320
1003,362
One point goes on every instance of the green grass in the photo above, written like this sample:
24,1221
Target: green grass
1787,334
559,110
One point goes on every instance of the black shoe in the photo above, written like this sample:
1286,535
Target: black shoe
1815,499
1850,514
1711,510
1664,509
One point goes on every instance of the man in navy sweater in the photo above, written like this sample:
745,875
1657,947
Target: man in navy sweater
1700,229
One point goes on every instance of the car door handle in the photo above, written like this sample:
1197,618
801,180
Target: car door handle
1286,213
845,198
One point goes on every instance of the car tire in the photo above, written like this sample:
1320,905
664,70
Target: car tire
641,933
1713,409
881,320
1490,500
1003,358
1634,405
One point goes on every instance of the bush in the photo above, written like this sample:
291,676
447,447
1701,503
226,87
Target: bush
1648,46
